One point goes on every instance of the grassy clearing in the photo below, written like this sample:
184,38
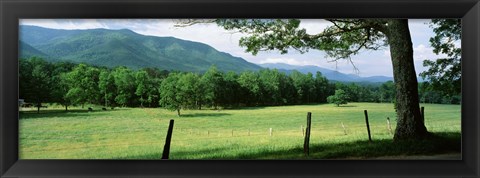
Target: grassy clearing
139,133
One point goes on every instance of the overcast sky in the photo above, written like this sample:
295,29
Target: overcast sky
369,63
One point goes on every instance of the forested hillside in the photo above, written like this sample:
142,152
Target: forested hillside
113,48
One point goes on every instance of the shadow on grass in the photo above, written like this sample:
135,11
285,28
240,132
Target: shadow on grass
158,155
62,113
263,107
205,115
346,106
249,108
438,143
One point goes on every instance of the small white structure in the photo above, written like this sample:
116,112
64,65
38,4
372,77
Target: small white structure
20,103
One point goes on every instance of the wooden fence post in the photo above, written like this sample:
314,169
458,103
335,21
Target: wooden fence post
368,126
306,143
303,130
166,148
389,126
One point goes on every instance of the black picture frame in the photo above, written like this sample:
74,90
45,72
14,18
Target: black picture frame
13,10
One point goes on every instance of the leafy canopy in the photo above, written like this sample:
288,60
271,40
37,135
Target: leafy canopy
339,98
444,74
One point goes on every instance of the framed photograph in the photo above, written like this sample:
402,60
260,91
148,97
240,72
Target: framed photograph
239,88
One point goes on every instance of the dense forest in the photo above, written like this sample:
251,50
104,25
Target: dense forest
71,84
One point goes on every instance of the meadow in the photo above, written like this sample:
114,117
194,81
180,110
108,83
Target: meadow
244,133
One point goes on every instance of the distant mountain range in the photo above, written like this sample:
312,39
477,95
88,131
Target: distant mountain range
111,48
329,74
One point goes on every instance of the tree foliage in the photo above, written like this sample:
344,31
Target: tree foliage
444,74
40,82
190,93
141,82
83,84
126,86
250,84
169,93
339,98
387,92
106,84
60,85
213,84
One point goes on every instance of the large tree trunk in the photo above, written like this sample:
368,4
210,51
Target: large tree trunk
409,120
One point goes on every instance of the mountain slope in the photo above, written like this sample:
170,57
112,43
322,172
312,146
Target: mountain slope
329,74
113,48
29,51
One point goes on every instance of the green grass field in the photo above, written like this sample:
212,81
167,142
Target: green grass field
139,133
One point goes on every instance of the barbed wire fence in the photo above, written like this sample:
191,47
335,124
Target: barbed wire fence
187,134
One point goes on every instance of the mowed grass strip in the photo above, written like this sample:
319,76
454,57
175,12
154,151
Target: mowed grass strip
139,133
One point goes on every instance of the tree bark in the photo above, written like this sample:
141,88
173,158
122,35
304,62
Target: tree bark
409,120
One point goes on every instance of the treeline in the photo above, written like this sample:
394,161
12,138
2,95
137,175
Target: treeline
263,88
80,84
429,94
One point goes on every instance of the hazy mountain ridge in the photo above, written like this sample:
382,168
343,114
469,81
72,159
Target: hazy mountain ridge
329,74
113,48
28,51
